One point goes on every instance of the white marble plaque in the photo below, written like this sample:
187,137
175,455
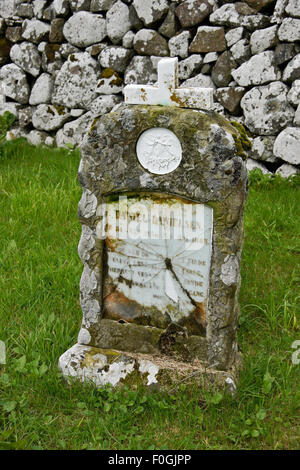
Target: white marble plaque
159,150
163,263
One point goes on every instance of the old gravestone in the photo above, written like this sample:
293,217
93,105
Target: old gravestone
164,187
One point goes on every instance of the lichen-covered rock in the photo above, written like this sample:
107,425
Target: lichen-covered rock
104,104
230,97
253,165
170,25
208,39
292,70
239,14
35,30
51,59
76,82
48,117
234,35
39,138
262,149
286,170
259,4
140,70
263,39
14,83
241,51
293,95
118,21
56,30
8,8
297,116
221,72
101,5
115,57
149,42
179,45
80,5
266,109
74,131
42,90
260,69
151,11
189,66
193,12
289,30
84,29
287,145
110,82
61,7
200,80
284,52
293,8
26,56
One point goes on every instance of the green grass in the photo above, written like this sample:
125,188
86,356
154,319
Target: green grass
40,319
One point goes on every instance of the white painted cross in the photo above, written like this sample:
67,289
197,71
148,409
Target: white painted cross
167,93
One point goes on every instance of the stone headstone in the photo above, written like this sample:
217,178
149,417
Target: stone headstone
164,188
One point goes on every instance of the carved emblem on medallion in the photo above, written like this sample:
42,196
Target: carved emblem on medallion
159,150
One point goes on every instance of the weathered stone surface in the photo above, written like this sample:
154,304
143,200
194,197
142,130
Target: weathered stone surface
56,30
149,42
234,35
8,8
151,11
266,109
66,49
293,8
278,12
200,80
26,56
259,4
287,145
179,45
253,165
241,51
24,10
38,138
297,117
262,149
104,104
84,29
193,12
61,7
286,170
208,39
74,131
260,69
239,14
170,25
210,57
38,8
289,30
42,90
76,82
230,97
13,34
101,5
140,70
292,70
284,52
127,40
263,39
35,30
221,72
25,116
110,82
5,47
80,5
51,59
118,21
293,95
48,117
14,83
115,57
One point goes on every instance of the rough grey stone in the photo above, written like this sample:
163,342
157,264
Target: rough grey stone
38,8
234,35
80,5
37,137
118,21
221,72
104,104
293,8
48,117
210,57
151,11
193,12
241,51
230,97
169,27
239,14
8,8
149,42
61,7
25,116
287,145
266,109
101,5
179,45
263,39
262,149
208,39
56,30
84,29
289,30
200,80
76,82
286,170
14,83
42,90
140,70
115,57
35,30
66,49
127,40
110,82
253,165
14,33
74,131
26,56
292,70
293,95
25,10
284,52
260,69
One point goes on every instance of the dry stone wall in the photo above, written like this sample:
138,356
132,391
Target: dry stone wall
64,63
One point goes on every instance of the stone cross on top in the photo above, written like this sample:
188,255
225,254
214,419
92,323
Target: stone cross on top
166,92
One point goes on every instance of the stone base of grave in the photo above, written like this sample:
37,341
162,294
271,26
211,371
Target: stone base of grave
108,366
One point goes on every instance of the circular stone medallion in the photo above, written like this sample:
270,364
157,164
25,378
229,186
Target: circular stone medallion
159,150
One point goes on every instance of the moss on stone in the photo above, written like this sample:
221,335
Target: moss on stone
242,142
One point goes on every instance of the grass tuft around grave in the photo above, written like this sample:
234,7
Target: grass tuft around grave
40,318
